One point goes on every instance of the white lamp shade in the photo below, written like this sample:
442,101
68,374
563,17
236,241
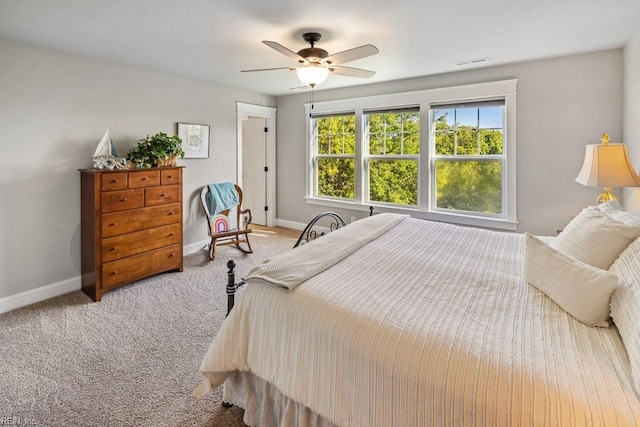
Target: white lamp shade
312,75
607,165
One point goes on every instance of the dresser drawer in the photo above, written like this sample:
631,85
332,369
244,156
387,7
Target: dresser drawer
114,181
116,223
171,176
162,195
135,267
122,200
140,241
141,179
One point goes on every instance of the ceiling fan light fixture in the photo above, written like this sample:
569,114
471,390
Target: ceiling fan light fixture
316,64
312,75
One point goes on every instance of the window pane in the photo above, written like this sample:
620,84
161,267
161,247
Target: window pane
394,122
323,144
491,141
375,144
349,124
335,125
350,144
376,123
394,181
467,117
392,143
411,122
467,140
469,186
411,144
336,177
323,126
445,143
336,144
491,117
445,119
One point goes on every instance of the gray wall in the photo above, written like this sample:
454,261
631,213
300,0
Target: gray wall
562,105
54,108
631,115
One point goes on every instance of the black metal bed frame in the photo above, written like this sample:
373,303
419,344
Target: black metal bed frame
309,233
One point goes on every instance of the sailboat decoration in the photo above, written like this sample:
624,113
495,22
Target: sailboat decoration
106,156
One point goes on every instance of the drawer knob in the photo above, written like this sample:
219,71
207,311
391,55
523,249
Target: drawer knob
163,195
171,255
171,234
115,248
144,178
114,181
170,213
113,273
124,200
113,224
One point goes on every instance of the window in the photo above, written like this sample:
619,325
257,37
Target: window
335,144
392,162
446,154
468,157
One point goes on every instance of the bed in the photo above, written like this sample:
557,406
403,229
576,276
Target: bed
395,321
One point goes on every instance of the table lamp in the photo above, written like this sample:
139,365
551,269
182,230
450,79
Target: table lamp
607,165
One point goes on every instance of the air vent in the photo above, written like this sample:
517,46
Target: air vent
472,61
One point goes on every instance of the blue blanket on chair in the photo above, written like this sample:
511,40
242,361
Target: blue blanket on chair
222,196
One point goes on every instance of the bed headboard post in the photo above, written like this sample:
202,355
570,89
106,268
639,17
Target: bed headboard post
231,285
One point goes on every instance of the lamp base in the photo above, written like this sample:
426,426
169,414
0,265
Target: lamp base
606,196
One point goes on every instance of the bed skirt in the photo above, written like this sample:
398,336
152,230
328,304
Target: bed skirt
264,405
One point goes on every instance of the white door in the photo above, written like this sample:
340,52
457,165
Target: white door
254,168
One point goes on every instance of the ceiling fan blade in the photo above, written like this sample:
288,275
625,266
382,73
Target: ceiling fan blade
283,50
268,69
351,54
352,72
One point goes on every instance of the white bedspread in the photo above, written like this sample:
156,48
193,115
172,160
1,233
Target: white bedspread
291,268
429,324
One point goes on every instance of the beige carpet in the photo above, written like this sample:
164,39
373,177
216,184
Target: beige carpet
131,359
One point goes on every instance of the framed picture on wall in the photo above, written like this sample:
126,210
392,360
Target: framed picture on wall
195,140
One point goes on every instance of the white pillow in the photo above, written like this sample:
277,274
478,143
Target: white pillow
625,306
595,238
580,289
614,211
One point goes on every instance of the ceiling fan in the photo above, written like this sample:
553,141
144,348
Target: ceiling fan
316,63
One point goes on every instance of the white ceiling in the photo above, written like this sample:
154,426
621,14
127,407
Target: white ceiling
212,40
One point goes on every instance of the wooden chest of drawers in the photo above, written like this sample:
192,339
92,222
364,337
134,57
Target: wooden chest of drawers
131,226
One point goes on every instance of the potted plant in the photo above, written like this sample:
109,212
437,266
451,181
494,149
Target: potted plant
157,150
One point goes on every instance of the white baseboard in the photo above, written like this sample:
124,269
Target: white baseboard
39,294
290,224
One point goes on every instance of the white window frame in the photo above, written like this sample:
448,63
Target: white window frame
316,156
367,158
502,158
504,89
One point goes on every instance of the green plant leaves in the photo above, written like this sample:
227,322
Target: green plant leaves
152,149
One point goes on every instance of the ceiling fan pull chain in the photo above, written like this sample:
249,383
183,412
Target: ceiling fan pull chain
311,101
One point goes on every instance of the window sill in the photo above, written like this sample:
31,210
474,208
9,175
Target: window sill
453,218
